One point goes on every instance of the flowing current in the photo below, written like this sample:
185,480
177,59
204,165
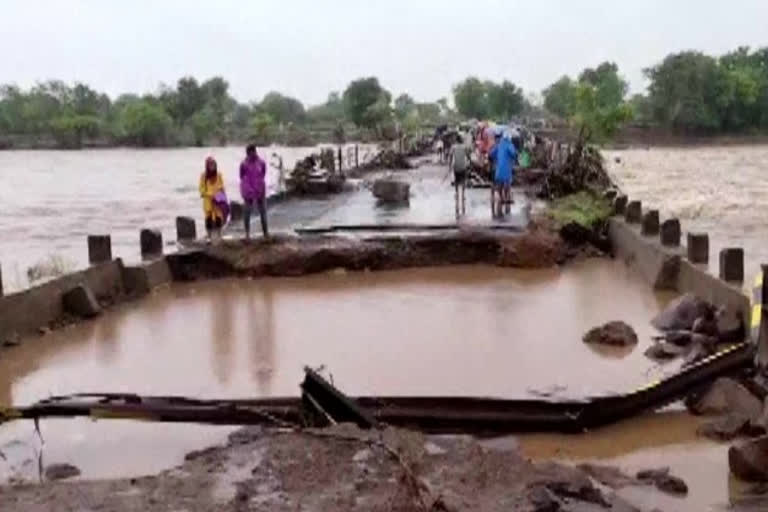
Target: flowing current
719,190
51,200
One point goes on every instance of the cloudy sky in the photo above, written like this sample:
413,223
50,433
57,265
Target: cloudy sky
306,48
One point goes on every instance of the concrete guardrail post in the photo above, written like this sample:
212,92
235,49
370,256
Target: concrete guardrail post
620,205
650,225
185,228
732,264
235,211
634,213
151,242
99,249
670,233
698,247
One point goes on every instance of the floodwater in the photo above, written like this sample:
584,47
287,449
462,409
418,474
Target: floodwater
51,200
719,190
652,441
468,330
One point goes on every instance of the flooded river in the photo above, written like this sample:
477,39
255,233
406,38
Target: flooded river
51,200
483,331
720,190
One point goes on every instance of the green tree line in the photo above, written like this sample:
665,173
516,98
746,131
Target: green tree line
688,92
198,113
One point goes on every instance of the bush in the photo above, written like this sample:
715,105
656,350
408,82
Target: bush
584,208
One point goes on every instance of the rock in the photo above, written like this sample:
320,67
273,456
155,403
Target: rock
575,234
81,302
362,455
748,460
44,331
725,428
705,325
730,326
539,249
672,485
61,472
651,475
725,396
543,500
391,191
679,338
681,313
613,333
663,351
12,340
663,480
610,476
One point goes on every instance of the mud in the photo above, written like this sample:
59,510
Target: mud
340,469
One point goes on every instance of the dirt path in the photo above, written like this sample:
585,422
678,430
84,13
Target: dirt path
339,469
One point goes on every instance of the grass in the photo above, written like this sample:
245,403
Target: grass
583,208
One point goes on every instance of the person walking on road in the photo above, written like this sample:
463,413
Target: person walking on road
504,155
253,171
459,163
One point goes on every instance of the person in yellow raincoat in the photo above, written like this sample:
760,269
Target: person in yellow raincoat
211,184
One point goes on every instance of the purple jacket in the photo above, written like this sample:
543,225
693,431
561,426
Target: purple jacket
252,175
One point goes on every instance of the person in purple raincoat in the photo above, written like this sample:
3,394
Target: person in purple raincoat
253,188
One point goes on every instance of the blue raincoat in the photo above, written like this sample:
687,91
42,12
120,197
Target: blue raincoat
505,156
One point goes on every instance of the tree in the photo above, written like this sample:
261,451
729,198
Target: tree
262,129
592,120
189,97
404,105
282,109
145,124
204,125
70,130
470,98
505,100
366,102
610,88
683,92
559,97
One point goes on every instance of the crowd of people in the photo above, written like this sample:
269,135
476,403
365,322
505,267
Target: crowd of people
489,152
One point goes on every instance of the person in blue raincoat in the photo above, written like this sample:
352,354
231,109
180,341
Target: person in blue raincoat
504,156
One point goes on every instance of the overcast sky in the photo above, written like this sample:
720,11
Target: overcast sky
307,48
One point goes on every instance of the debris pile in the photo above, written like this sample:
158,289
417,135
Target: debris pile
387,159
315,174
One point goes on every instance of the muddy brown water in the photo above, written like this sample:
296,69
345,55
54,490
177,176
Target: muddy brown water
469,330
721,190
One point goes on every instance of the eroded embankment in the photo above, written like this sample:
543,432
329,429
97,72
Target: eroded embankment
295,256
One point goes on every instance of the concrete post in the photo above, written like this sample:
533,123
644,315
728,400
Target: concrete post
185,228
698,247
634,213
651,223
235,211
670,233
732,264
762,327
99,249
151,242
620,205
